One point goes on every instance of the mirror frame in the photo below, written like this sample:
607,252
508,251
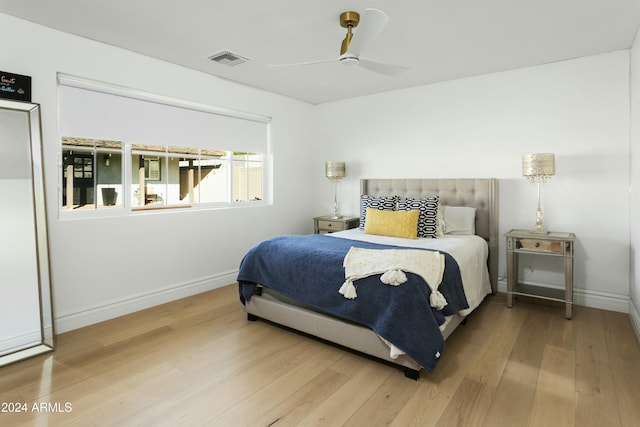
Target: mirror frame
47,330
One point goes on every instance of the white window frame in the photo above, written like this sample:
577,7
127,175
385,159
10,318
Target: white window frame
127,207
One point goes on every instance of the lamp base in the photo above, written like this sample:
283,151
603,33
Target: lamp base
540,229
336,216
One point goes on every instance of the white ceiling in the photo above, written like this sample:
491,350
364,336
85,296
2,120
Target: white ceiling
438,39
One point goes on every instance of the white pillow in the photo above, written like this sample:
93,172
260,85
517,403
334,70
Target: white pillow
459,220
440,221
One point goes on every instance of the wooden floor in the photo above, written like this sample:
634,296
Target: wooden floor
198,361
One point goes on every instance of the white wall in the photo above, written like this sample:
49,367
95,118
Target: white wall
480,127
634,306
106,267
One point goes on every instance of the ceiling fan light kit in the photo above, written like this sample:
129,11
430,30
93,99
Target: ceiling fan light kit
348,59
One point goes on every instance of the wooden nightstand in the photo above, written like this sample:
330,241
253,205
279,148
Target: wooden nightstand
326,224
553,244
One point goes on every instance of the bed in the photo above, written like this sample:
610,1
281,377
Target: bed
275,302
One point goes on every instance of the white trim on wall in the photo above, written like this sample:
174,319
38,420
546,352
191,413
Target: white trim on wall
111,309
593,299
601,300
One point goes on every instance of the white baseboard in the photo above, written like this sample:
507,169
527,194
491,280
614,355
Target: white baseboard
593,299
65,322
69,321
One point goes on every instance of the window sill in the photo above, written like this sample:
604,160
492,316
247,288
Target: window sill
157,208
119,211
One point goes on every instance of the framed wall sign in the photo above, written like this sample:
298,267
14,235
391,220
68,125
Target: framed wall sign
15,86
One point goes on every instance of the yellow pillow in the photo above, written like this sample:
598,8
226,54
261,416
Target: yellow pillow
392,223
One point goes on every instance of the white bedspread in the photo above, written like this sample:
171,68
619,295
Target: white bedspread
470,252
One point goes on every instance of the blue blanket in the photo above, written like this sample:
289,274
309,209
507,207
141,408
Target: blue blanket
309,269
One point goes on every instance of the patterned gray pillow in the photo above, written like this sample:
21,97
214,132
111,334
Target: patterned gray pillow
383,203
428,218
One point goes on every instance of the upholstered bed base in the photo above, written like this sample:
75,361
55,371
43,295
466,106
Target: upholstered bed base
479,193
270,306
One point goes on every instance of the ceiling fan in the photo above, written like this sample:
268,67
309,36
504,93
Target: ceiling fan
373,22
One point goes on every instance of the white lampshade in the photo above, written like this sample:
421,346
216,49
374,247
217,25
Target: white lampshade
539,167
335,170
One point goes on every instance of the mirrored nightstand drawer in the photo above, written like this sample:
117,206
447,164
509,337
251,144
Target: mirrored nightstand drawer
326,224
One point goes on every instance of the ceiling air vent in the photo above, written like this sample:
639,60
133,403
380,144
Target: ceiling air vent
226,57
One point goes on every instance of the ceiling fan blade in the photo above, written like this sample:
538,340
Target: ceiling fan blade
381,68
371,25
324,61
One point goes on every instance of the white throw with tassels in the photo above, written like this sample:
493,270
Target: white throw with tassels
392,263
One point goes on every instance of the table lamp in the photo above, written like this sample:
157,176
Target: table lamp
335,171
539,168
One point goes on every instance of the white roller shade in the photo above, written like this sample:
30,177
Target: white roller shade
98,111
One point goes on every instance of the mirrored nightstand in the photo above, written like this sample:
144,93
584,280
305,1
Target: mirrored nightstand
553,244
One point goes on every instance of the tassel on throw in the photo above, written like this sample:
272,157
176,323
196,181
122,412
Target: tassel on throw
437,300
348,290
393,277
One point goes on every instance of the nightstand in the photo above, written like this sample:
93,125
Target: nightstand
326,224
552,244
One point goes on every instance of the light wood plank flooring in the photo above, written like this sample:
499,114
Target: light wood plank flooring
198,361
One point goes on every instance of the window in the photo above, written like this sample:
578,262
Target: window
174,176
247,174
125,151
210,180
91,174
160,175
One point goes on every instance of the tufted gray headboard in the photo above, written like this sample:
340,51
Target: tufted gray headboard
481,194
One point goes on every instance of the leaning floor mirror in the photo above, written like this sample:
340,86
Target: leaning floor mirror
26,315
